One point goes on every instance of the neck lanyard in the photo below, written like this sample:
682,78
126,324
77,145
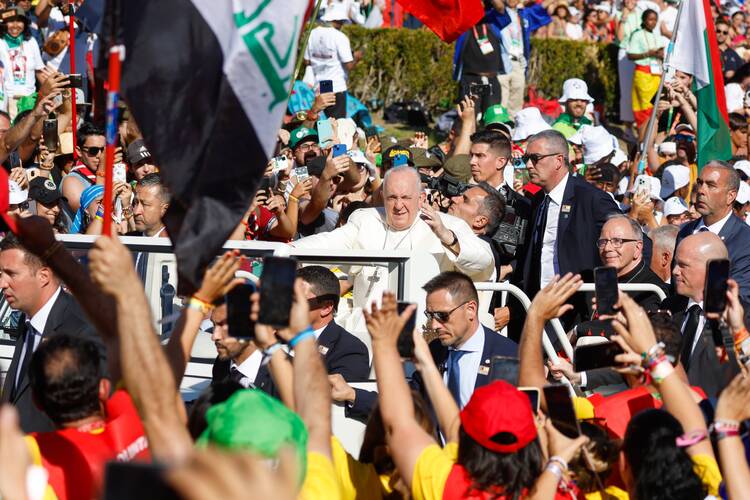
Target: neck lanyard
484,32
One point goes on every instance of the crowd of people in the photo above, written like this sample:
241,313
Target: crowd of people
508,194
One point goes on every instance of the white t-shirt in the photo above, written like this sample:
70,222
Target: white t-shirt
21,64
668,17
574,31
328,50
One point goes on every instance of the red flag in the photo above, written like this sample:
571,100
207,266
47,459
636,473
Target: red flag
4,200
447,18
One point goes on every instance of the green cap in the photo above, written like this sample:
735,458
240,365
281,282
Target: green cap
496,114
459,166
300,134
424,159
253,421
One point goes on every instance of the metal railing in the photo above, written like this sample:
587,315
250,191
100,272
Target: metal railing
630,287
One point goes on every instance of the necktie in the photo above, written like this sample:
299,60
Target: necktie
23,368
236,375
540,225
688,335
703,229
454,375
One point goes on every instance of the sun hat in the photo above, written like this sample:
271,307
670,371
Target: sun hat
575,88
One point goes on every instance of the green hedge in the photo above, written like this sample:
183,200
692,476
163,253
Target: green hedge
415,64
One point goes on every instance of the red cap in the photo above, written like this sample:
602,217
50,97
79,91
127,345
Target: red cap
498,416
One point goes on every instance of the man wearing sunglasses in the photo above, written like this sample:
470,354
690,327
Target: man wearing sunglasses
568,214
730,59
90,151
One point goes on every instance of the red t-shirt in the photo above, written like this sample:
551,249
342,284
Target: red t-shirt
75,458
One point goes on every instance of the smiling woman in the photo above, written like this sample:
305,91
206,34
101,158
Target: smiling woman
20,56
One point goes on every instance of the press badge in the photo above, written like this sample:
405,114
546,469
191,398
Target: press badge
484,370
485,46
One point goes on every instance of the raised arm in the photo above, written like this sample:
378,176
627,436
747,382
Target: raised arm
733,407
467,114
19,132
404,435
145,370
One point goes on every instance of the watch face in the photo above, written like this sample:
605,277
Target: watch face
301,116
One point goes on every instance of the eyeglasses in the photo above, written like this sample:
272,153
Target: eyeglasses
722,32
443,316
92,150
307,147
535,157
616,242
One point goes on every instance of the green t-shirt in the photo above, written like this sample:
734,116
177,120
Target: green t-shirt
631,24
641,41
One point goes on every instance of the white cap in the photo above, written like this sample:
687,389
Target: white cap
338,11
16,195
673,178
619,157
529,121
743,166
577,138
575,88
667,148
684,127
359,158
743,194
597,143
675,206
735,97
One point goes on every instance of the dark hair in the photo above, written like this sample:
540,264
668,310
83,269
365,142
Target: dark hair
666,331
26,34
645,15
661,470
154,179
604,453
87,130
64,375
350,209
372,450
506,474
459,285
737,121
214,394
492,206
11,242
498,143
323,283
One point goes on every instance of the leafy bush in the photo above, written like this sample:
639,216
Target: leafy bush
403,64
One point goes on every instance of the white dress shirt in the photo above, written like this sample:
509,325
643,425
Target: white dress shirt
38,322
249,368
701,322
468,365
549,242
716,227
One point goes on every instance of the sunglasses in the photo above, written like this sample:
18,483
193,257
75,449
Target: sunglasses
722,32
684,138
92,150
443,316
534,158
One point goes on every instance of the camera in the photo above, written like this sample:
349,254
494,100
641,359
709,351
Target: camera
511,232
447,185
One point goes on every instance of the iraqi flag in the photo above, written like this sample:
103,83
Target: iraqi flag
207,82
697,52
447,18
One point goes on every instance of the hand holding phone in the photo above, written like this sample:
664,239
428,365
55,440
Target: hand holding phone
593,356
606,290
406,337
561,411
238,312
277,291
715,292
339,150
504,368
326,86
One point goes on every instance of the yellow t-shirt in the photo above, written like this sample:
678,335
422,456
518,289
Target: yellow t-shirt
432,470
610,490
357,480
320,480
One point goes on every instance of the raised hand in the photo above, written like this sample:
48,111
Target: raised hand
550,302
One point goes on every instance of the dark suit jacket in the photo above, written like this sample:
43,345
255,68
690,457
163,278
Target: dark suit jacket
583,212
736,237
65,317
263,380
643,274
343,353
705,370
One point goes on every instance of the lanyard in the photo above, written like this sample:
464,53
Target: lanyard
484,32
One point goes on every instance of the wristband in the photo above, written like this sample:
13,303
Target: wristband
200,305
559,460
292,197
268,351
725,425
661,370
719,435
554,469
307,332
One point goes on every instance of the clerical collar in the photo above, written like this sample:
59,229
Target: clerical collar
630,275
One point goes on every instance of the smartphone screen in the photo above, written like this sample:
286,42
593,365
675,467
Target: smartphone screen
592,356
76,81
504,368
605,284
715,293
371,132
49,132
560,410
533,394
238,312
339,150
277,290
406,337
326,86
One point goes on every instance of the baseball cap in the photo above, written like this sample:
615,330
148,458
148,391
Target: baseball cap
619,157
497,114
743,166
252,420
743,193
423,158
16,195
137,152
498,417
301,134
575,89
673,178
43,190
684,127
597,143
359,158
529,121
667,148
675,206
13,12
397,149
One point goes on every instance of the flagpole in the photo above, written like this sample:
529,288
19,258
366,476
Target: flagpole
303,46
72,57
116,55
652,118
